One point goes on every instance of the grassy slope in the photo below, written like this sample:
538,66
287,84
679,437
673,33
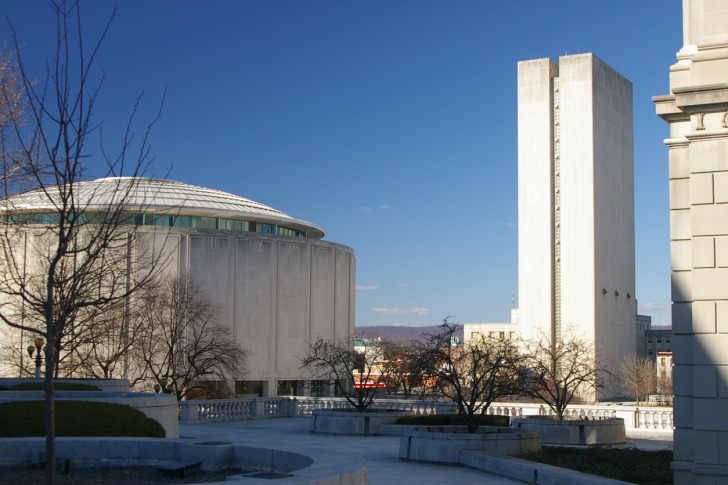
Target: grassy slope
628,464
77,418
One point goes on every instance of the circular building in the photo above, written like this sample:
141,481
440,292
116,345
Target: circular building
278,284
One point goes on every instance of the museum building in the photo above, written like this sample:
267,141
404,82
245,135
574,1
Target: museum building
276,281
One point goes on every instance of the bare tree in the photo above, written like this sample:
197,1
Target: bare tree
354,371
559,372
99,345
183,346
72,257
403,366
638,376
13,113
665,383
14,357
474,375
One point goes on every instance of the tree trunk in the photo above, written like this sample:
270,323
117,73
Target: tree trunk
50,411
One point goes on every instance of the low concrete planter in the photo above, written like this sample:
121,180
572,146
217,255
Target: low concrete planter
112,385
443,444
159,407
349,421
316,466
603,431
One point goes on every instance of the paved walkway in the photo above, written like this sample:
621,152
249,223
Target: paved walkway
380,452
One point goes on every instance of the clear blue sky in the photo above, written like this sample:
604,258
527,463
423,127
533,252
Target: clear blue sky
391,124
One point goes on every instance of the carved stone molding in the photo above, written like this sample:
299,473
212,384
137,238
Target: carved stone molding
698,121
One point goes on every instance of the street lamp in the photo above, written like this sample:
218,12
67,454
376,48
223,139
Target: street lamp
165,388
35,349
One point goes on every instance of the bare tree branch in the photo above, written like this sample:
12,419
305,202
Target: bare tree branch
70,260
474,375
182,345
562,371
638,376
354,370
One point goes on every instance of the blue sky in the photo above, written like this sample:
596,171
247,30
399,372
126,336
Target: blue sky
391,124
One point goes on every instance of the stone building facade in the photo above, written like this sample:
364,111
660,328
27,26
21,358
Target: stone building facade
697,112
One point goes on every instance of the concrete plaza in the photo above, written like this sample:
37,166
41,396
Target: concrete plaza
381,453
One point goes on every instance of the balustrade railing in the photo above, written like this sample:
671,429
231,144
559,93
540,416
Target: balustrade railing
217,410
214,410
653,419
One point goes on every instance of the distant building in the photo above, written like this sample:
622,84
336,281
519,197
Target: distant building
502,331
644,323
509,331
658,340
664,373
576,203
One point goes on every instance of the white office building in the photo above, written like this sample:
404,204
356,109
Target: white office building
576,203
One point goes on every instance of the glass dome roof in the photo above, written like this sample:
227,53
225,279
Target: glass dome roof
140,194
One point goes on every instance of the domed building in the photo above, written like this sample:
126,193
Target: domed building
278,284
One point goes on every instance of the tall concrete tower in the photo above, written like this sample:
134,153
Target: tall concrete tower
697,110
576,203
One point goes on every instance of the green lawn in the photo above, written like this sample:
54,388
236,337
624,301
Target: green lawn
628,464
77,418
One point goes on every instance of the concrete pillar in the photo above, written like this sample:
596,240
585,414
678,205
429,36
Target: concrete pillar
697,111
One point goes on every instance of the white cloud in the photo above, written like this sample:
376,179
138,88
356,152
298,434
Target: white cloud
401,311
367,287
655,307
367,208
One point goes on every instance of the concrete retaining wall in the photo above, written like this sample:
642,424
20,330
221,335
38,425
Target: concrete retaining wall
351,422
553,431
443,444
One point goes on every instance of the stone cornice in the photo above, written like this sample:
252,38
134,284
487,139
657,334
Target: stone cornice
713,97
698,89
704,135
666,109
677,142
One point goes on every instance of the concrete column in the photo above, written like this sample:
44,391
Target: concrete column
697,111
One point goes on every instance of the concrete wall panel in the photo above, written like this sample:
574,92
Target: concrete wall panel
702,250
680,224
680,255
704,317
293,306
322,287
678,164
709,220
720,187
709,156
700,190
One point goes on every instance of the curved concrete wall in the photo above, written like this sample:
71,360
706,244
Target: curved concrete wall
278,293
159,407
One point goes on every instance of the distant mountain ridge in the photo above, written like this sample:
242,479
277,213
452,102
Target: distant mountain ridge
401,333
